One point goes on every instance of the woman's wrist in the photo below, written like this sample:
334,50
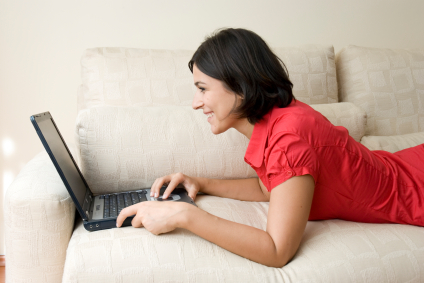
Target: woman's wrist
183,217
202,183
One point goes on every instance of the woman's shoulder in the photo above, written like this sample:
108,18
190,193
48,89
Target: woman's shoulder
296,118
301,120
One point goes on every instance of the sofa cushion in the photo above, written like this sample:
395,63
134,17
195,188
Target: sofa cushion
393,143
330,251
388,84
123,148
145,77
312,70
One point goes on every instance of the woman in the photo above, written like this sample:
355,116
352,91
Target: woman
307,167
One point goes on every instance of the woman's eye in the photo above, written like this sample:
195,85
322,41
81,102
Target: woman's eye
202,89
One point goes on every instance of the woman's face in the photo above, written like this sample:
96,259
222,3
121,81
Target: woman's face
216,102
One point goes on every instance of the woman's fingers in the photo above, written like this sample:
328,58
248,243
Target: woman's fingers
191,186
192,194
156,186
126,212
159,182
176,179
137,222
156,217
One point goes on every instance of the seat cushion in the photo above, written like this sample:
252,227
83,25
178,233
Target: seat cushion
330,251
388,84
146,77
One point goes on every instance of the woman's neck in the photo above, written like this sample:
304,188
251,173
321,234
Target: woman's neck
243,126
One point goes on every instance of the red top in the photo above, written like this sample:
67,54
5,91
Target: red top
351,182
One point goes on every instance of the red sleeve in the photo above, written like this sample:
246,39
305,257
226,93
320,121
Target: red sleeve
289,155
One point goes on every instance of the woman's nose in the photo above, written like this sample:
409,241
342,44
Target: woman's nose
197,100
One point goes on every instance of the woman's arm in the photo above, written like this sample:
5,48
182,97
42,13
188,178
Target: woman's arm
241,189
288,214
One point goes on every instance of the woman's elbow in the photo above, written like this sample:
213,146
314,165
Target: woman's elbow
277,265
279,261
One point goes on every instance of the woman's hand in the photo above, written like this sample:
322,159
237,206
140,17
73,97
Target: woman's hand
191,185
156,217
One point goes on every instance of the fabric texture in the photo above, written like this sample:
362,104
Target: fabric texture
123,148
330,251
388,84
39,220
148,77
312,70
361,185
393,143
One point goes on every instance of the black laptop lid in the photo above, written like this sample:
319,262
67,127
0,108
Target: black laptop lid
62,159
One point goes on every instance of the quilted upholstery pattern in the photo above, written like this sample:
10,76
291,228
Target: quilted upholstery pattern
146,77
137,77
388,84
393,143
39,218
312,71
123,148
331,251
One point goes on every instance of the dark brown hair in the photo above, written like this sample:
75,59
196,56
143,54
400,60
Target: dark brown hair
246,65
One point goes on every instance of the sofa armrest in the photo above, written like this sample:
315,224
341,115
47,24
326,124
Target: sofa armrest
39,220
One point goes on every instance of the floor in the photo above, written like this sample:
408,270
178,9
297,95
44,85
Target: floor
2,269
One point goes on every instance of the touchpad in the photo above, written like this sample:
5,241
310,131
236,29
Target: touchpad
171,197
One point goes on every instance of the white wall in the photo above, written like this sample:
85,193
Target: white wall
41,43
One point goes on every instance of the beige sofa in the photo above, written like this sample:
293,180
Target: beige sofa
135,124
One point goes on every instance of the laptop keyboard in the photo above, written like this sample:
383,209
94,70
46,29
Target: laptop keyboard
114,203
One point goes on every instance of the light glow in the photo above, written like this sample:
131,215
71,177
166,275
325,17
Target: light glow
8,147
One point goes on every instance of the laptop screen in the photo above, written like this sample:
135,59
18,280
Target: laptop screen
63,158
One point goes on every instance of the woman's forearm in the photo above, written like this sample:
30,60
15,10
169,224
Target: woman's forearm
246,241
240,189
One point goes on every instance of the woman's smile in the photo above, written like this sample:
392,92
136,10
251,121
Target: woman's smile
210,115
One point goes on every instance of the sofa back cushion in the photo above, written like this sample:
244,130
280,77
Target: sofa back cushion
393,143
123,148
388,84
147,77
312,70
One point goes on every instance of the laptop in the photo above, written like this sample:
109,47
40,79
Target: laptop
97,212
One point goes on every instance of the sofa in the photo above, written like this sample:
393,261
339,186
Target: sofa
135,123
